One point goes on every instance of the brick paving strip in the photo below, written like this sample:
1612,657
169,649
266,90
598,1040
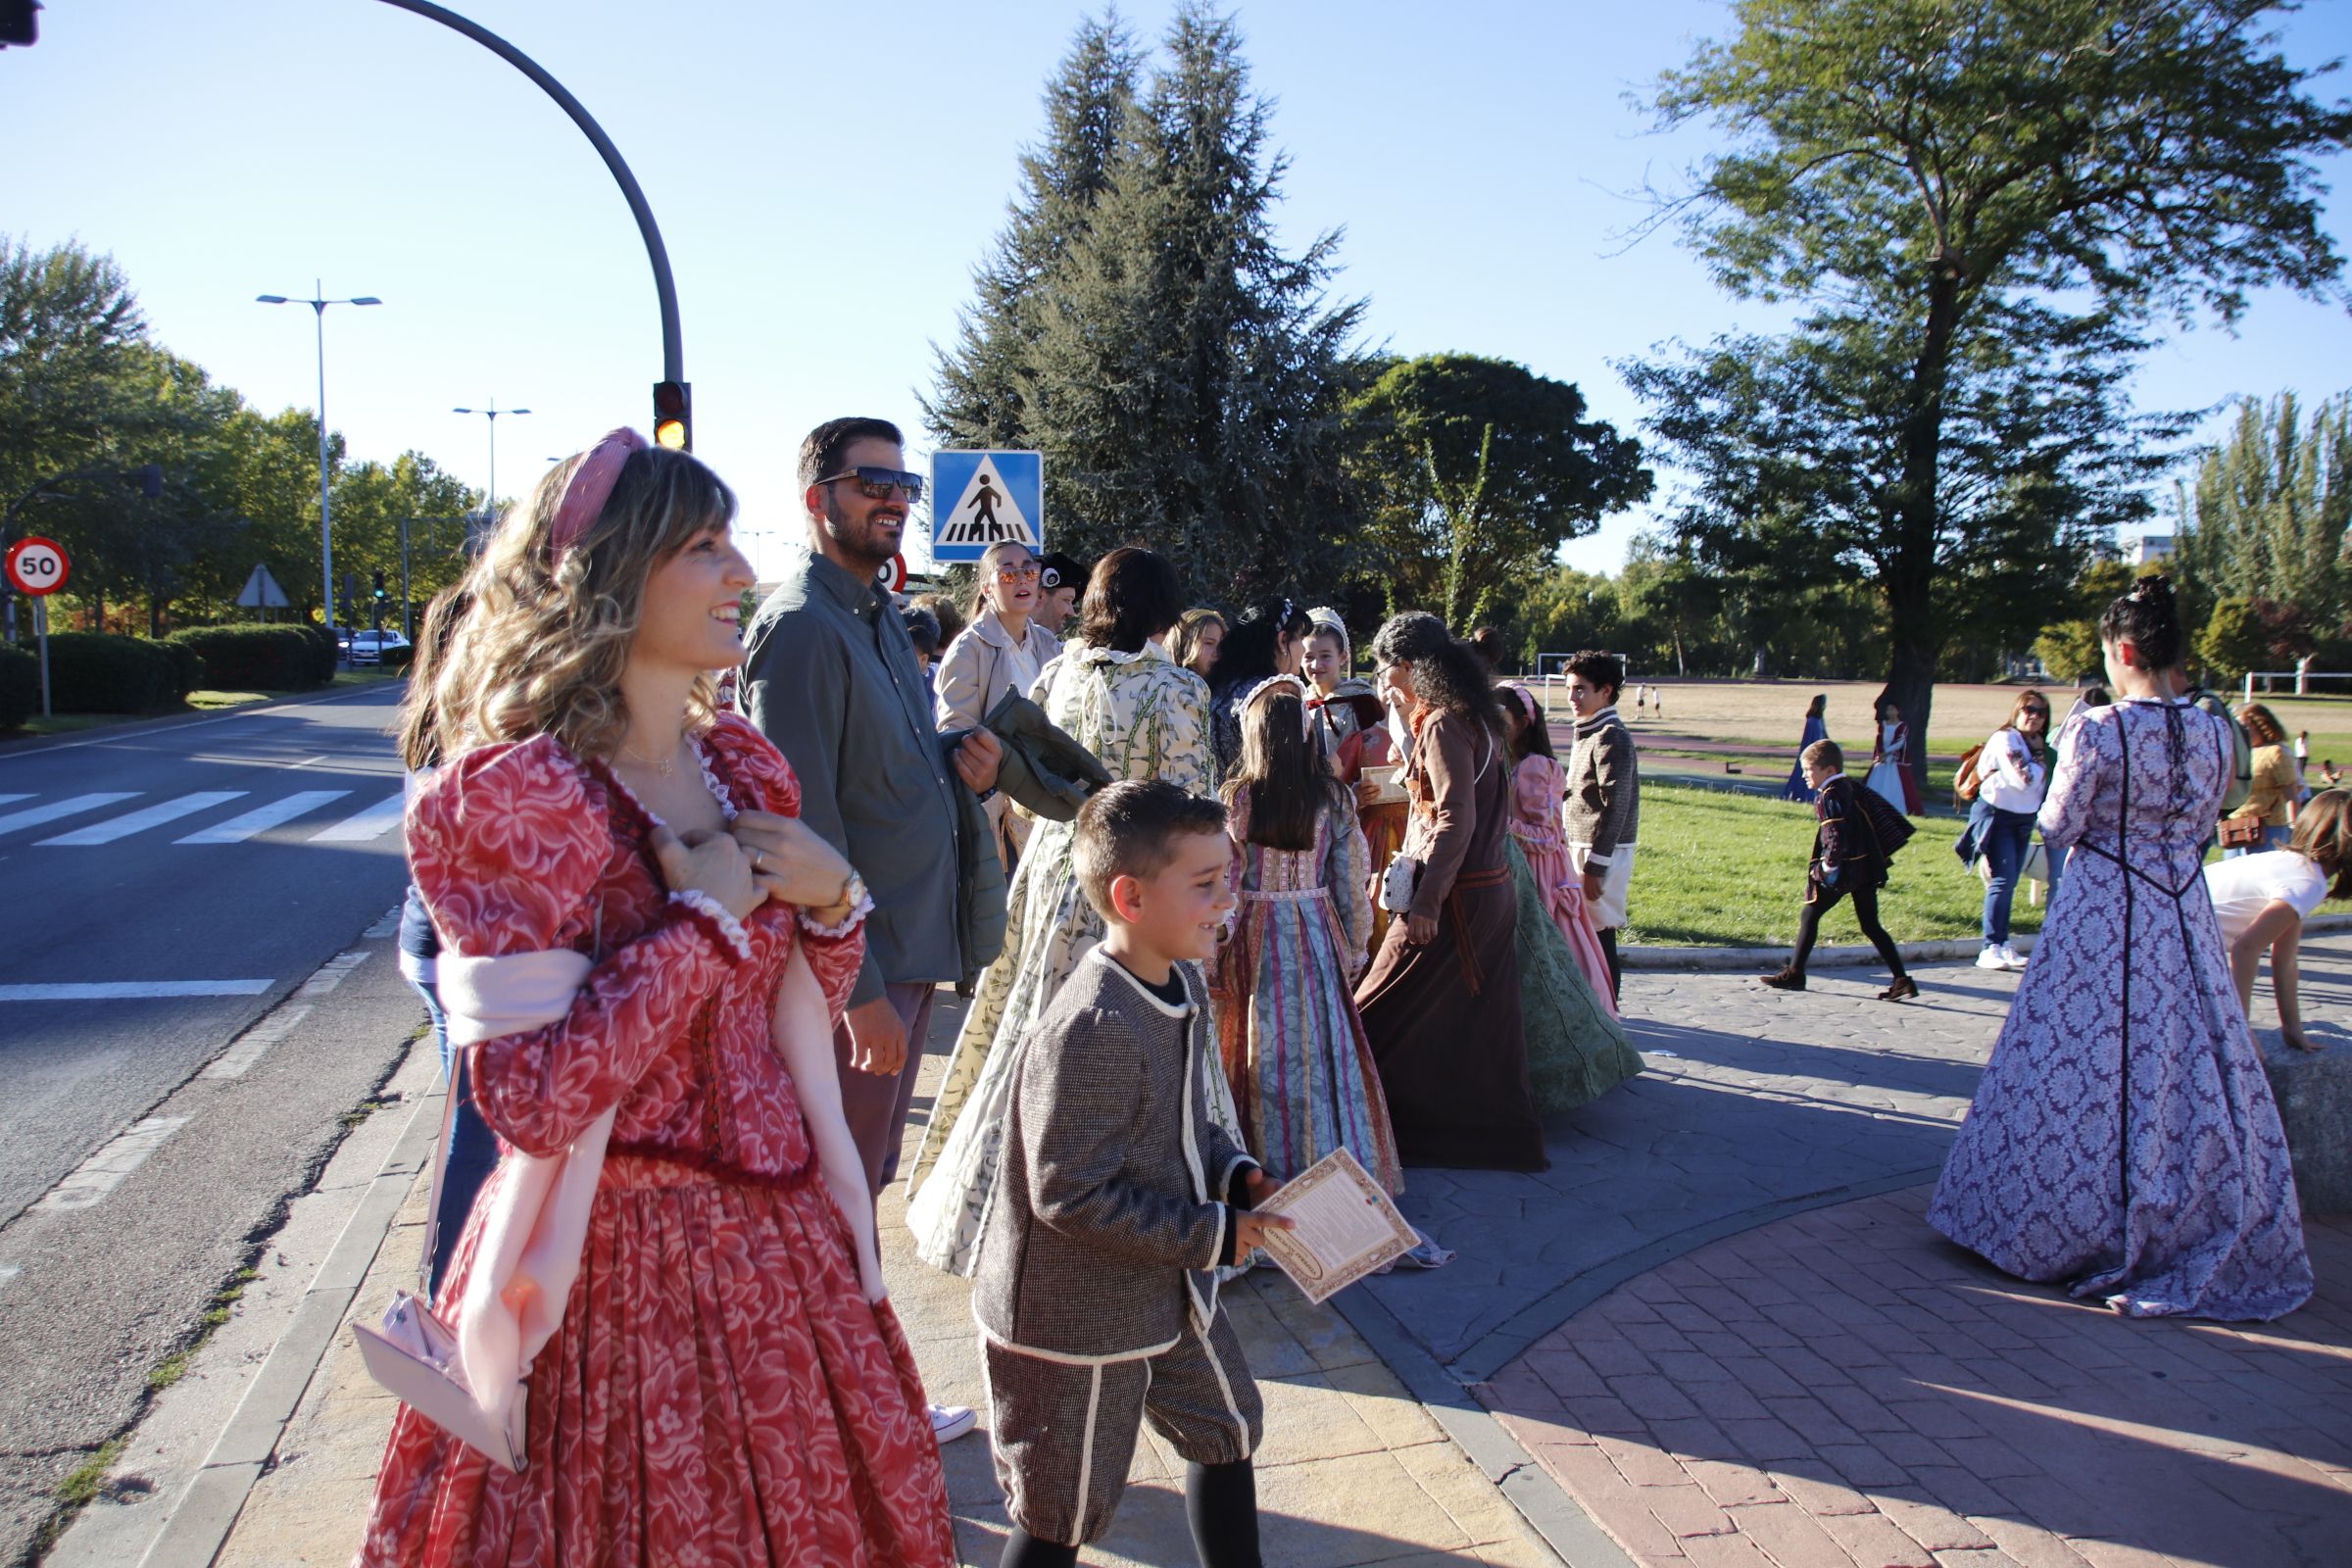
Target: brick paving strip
1837,1386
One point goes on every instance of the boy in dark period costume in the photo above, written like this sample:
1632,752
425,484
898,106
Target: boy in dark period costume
1121,1197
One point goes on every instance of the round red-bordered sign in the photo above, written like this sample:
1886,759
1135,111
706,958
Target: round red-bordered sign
37,565
892,574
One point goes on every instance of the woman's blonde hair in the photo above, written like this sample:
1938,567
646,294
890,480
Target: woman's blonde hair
2262,725
2324,834
1187,634
543,650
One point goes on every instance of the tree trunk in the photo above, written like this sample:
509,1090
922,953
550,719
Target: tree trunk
1915,640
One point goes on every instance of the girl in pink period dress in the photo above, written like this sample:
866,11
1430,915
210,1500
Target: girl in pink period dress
723,1382
1539,783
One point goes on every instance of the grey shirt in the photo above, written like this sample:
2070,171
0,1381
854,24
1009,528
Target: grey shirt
831,677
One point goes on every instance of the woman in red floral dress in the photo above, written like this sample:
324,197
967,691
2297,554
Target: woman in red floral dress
727,1385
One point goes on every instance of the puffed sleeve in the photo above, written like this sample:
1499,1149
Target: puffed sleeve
2081,759
1186,757
764,774
506,847
1348,874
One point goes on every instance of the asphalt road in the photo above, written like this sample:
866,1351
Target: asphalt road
163,890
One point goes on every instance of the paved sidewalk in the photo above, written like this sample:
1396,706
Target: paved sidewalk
1354,1469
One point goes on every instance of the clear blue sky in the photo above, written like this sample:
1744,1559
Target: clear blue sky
827,176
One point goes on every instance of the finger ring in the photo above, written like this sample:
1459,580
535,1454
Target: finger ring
758,863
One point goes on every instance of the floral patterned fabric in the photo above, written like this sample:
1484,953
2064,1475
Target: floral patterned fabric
2123,1142
720,1392
1293,1046
1538,785
1144,717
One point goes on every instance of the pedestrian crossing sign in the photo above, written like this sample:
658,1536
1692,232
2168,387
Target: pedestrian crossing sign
980,498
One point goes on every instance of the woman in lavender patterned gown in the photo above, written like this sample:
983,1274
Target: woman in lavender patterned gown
2123,1142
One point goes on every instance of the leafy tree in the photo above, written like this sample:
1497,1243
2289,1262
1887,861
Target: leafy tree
1475,473
1935,179
2235,639
1183,374
2070,646
70,336
2265,516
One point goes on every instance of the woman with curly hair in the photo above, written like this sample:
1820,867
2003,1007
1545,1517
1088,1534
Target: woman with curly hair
1441,1001
1144,717
667,1299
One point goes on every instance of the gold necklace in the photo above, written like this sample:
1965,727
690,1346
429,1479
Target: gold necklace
666,767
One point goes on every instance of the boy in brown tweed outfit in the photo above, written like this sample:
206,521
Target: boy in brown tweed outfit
1120,1196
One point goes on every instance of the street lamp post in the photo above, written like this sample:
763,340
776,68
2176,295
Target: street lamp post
326,545
490,496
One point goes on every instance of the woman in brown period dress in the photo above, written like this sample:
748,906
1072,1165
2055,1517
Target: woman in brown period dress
1441,1001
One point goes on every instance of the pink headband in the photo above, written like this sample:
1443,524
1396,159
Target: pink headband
1534,710
590,487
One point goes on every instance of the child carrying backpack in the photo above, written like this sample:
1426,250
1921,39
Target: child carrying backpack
1858,835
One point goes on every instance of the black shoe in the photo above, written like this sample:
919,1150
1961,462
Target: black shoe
1786,980
1903,990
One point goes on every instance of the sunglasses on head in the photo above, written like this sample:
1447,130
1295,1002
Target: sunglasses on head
876,484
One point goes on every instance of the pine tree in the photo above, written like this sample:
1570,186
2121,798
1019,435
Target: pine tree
1182,375
979,400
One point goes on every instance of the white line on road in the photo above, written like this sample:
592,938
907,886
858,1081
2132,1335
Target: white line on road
155,815
9,1271
331,973
389,925
134,990
238,1059
372,823
70,806
262,818
104,1172
5,798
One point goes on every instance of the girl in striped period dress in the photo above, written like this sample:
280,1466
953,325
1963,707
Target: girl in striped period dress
1295,1049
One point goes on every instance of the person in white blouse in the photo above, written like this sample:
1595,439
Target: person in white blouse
2259,901
2013,774
1001,651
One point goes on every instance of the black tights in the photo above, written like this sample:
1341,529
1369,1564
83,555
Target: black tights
1608,951
1819,901
1220,1503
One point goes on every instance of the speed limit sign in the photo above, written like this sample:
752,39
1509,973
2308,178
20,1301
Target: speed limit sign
37,565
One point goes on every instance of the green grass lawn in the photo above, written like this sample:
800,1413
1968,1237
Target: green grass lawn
1720,869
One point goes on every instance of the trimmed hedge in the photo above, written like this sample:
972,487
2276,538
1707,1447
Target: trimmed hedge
20,687
325,655
279,658
91,672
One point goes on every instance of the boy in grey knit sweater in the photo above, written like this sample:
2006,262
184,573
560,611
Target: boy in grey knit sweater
1120,1196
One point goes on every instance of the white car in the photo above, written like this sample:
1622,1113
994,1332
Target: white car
369,647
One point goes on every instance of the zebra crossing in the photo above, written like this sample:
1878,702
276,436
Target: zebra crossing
314,817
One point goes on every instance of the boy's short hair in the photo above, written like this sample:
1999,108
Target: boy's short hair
1824,753
1129,828
1600,669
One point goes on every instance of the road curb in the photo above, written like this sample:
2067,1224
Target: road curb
200,1519
1709,959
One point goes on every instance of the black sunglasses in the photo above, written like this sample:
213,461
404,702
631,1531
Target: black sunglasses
876,484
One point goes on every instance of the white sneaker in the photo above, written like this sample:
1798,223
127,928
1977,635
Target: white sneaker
1990,959
2011,957
951,1421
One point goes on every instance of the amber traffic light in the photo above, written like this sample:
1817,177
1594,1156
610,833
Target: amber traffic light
674,415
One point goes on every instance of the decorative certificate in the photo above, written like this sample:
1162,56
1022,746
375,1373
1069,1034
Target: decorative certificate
1389,780
1343,1226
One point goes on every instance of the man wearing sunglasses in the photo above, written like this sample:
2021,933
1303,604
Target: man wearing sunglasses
831,676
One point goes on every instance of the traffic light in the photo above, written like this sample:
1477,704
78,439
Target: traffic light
674,415
379,585
20,22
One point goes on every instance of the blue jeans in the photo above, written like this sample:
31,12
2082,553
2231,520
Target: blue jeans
473,1151
2002,841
